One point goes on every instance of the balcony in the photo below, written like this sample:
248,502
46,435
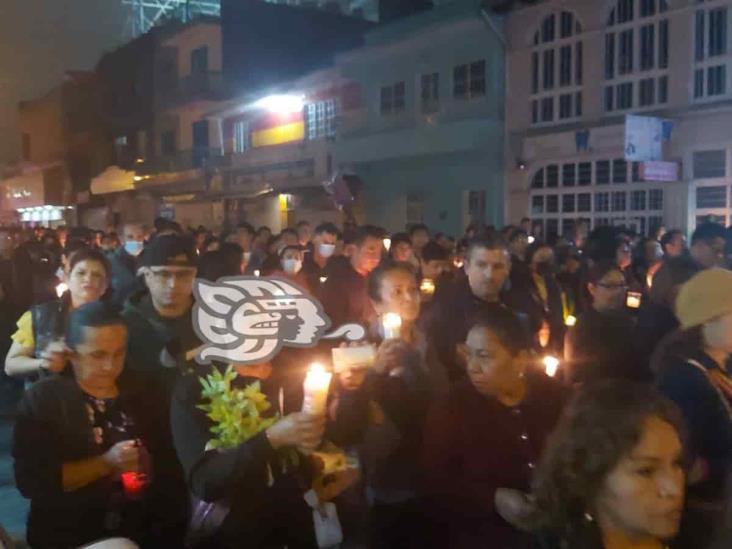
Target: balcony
205,86
181,161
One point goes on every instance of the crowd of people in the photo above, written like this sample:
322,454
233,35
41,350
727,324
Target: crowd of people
544,393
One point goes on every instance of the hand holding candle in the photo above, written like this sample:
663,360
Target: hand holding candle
316,387
392,324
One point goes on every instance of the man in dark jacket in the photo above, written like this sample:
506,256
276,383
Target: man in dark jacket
344,295
124,262
487,266
162,338
322,249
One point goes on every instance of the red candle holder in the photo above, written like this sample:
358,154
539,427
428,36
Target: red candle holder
134,484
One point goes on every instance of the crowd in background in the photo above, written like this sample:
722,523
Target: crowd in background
540,392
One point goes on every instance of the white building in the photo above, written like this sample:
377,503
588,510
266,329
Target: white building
575,68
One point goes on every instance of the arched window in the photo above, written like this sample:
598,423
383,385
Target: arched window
556,70
711,50
636,55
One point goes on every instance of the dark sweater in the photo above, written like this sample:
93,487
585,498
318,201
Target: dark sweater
261,516
345,296
474,445
53,428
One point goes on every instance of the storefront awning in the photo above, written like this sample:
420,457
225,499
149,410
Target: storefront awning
113,180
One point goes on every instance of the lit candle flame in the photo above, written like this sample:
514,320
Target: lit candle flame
323,279
256,272
551,365
570,321
387,244
316,387
427,286
532,239
61,288
392,324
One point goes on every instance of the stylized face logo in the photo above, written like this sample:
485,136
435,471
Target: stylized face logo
248,319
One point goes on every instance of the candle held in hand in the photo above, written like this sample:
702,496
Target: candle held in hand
427,287
316,386
392,324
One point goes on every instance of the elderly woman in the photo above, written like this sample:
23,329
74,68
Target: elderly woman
38,346
90,450
612,475
488,434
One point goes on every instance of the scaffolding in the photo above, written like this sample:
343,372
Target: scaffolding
145,14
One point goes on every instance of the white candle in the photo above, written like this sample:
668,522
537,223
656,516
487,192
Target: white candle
316,387
427,287
392,324
633,300
551,365
387,244
61,288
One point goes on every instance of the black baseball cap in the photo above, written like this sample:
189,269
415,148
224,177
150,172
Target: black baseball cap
170,250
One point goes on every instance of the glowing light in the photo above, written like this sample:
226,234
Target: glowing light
427,286
633,301
570,321
281,103
138,178
316,387
323,279
392,324
387,244
257,272
551,365
61,288
532,239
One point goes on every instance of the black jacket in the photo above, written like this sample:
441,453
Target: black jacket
345,295
53,428
262,516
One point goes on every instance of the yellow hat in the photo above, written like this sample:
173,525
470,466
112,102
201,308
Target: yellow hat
708,295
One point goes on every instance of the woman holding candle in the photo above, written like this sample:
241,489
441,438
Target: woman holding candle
381,410
257,483
91,451
487,435
38,347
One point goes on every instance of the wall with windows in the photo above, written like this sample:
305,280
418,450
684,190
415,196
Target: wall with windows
428,140
198,49
666,58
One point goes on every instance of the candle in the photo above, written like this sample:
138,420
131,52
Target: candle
531,239
256,272
633,300
570,321
134,484
458,263
61,288
427,287
551,365
316,387
323,279
387,244
392,324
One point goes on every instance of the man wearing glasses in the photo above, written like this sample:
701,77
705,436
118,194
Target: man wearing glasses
162,339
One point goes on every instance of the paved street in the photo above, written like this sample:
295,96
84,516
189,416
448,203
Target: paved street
13,508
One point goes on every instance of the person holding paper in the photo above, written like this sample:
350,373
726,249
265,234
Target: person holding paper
381,409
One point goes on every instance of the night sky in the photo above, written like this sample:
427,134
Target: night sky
39,41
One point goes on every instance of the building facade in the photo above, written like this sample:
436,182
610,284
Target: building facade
428,140
575,69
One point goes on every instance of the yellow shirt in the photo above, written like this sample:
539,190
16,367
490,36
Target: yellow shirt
24,333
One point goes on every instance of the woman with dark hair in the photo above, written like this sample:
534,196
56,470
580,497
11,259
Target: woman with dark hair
38,347
381,409
605,342
691,365
612,474
485,438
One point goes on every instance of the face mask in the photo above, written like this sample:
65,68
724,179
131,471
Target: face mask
326,250
133,247
291,266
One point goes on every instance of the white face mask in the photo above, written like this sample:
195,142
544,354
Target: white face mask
326,250
291,266
133,247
